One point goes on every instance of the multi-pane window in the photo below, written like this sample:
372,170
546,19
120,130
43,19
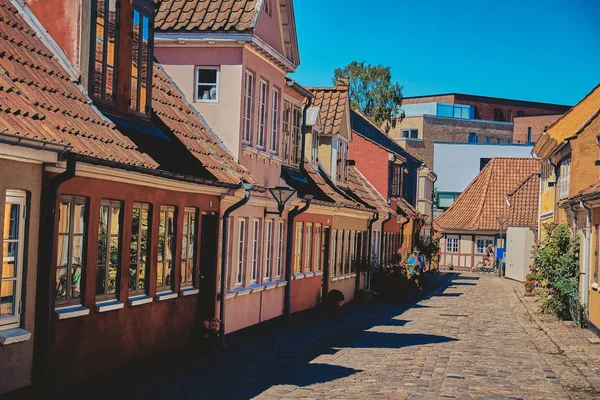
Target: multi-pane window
262,114
482,244
342,156
255,250
105,50
268,249
275,99
298,248
280,231
11,271
141,62
314,150
188,247
498,115
296,138
241,252
352,250
564,178
339,256
510,118
318,246
396,189
70,250
308,243
138,248
347,252
207,84
109,240
166,249
285,140
248,107
411,133
452,245
333,252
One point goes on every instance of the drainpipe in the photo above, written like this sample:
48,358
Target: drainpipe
303,150
586,254
287,301
382,236
402,225
45,282
372,220
432,209
556,173
224,251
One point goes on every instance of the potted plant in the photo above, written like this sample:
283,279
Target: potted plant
451,267
210,336
529,286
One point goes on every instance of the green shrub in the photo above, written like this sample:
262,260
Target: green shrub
556,267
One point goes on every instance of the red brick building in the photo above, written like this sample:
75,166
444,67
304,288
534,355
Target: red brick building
528,130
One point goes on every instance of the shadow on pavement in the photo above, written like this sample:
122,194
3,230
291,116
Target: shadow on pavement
275,353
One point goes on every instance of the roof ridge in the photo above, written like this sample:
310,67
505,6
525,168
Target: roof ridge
523,183
491,165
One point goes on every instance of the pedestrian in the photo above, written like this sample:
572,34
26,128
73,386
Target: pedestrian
414,267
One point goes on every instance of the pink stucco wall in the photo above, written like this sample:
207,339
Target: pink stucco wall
268,27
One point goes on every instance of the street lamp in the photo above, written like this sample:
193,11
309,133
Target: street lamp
502,220
281,194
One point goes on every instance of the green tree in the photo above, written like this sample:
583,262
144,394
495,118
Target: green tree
372,91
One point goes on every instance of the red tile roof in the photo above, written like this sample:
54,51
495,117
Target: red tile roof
333,102
39,100
329,191
169,104
207,15
407,208
503,181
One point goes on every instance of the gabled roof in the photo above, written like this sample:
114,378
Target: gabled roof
169,104
406,208
367,194
507,187
364,127
208,15
333,102
569,124
39,100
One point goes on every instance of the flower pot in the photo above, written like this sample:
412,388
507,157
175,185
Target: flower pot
528,288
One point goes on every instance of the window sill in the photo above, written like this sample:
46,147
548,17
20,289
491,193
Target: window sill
255,288
71,312
14,336
269,285
309,274
189,291
109,305
139,300
166,296
241,291
318,272
336,278
298,275
281,283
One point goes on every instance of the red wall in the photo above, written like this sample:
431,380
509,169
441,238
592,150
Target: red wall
372,161
85,346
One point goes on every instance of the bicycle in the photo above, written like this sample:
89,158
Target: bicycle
484,267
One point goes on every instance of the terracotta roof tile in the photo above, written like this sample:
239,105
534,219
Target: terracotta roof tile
40,101
407,208
502,181
171,107
333,102
207,15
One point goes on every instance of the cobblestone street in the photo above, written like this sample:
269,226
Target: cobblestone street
472,337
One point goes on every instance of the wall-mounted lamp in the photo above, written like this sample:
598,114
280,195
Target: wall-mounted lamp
281,194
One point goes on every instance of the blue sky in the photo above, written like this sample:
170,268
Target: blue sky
534,50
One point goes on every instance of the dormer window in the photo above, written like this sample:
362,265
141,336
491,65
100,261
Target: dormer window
141,61
105,46
121,46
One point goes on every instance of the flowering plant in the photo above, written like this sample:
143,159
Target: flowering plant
210,329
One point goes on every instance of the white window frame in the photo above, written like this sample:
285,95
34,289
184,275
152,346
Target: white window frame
16,197
268,249
406,133
452,244
198,68
248,116
308,242
255,251
318,246
484,242
275,119
281,231
261,123
299,232
565,178
241,250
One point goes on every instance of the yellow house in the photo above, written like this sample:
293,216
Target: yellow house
570,189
